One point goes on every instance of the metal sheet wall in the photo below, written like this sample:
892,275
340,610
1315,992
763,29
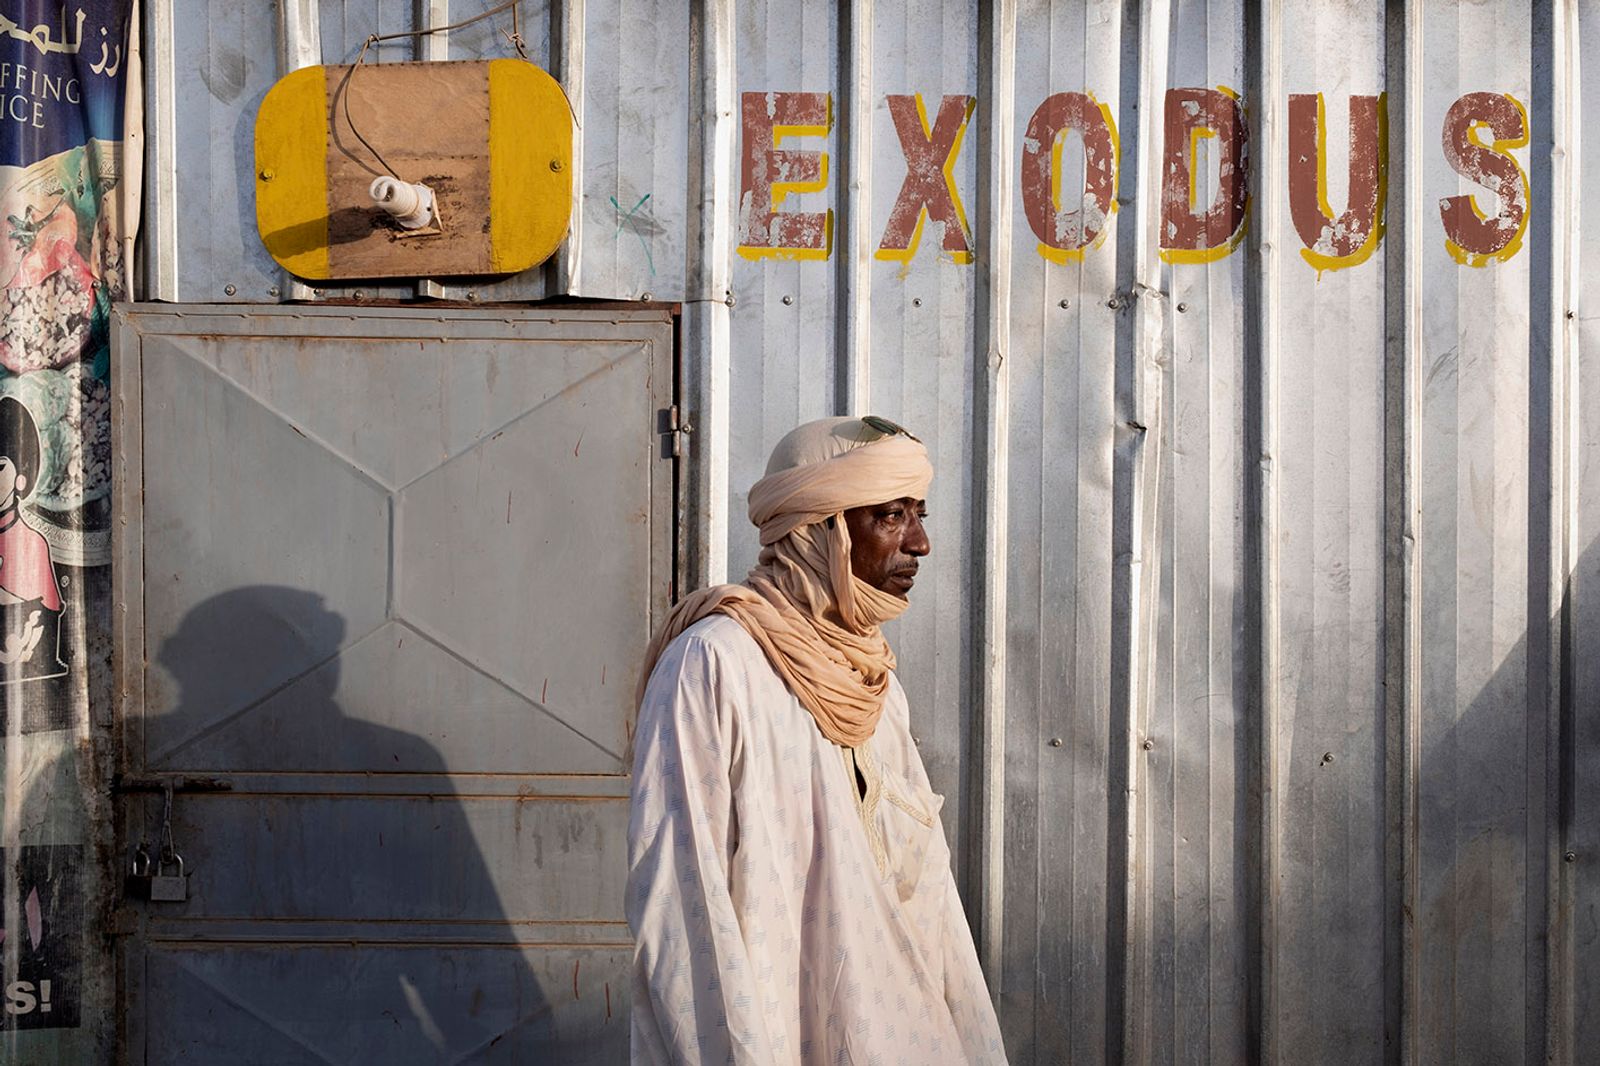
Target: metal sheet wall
1258,665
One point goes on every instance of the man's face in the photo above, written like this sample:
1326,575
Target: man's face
886,540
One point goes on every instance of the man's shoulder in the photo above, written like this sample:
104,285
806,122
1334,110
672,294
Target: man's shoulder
717,633
716,658
714,643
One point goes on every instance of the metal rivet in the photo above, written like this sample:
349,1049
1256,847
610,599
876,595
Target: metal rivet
730,299
317,293
273,292
1055,742
787,299
358,295
229,289
1182,308
1065,304
472,296
646,296
916,301
1148,745
1113,303
267,174
555,165
1572,314
1327,757
1571,856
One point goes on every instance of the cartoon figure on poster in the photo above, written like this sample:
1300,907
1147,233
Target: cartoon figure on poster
30,599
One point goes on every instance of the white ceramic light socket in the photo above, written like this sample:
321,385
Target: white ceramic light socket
411,205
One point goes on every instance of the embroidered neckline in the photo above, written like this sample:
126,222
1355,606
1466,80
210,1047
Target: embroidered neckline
860,760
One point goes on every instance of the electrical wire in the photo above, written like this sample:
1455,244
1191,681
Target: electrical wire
515,37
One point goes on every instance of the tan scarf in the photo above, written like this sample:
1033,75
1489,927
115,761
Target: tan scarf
816,622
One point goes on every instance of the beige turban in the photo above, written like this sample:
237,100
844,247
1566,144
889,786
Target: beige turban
815,620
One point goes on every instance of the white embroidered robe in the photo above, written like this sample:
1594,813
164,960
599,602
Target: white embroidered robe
780,918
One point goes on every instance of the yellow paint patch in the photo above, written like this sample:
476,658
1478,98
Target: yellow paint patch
291,173
530,165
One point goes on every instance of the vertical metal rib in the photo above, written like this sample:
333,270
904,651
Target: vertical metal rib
706,371
1142,340
567,23
434,47
1268,180
299,45
1552,511
1402,596
854,368
161,204
996,165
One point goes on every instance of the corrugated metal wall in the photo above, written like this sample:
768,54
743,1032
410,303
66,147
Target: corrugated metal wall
1259,662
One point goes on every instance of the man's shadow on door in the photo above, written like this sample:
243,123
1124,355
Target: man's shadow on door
341,874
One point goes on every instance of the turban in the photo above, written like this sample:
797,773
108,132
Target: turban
816,622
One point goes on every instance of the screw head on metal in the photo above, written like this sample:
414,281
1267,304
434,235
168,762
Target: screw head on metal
1113,303
1182,308
273,291
555,165
358,295
1148,745
317,293
472,297
267,174
787,299
230,289
1327,757
1571,856
1055,742
1065,304
646,297
730,299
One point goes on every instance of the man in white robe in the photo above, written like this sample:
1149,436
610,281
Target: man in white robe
789,884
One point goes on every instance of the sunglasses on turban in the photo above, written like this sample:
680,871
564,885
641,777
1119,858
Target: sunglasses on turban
882,427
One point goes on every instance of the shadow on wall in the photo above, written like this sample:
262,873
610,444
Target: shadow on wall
361,921
1494,820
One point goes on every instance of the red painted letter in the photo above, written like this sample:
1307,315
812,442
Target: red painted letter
1333,242
1472,238
769,173
929,190
1065,234
1187,234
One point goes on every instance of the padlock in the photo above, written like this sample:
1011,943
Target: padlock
137,885
169,888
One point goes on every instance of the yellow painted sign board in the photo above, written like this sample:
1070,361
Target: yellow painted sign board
491,139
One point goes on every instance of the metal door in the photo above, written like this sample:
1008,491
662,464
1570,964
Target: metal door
384,581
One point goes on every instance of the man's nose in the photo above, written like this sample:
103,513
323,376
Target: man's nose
916,538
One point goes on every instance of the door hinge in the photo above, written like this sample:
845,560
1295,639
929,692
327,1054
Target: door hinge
674,428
